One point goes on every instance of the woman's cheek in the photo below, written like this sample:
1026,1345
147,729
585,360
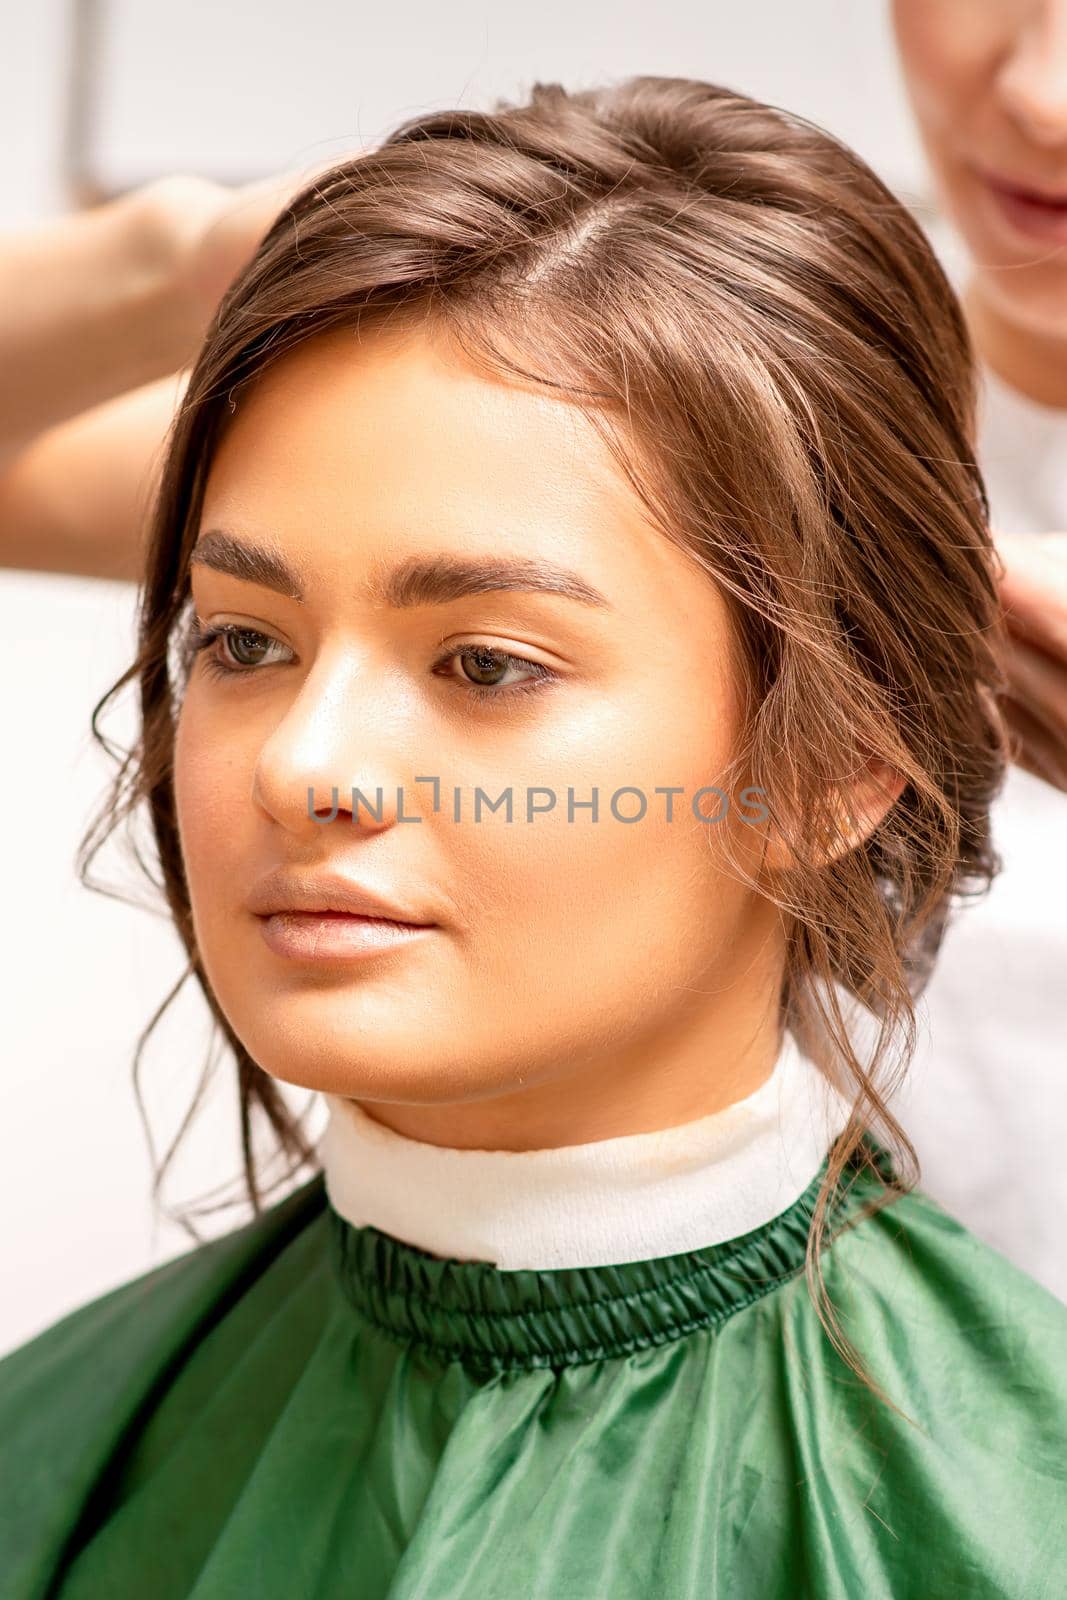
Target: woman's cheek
207,792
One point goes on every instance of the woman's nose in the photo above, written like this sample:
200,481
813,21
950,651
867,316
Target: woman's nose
336,753
1033,80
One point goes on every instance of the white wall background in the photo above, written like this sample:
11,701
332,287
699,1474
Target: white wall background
235,92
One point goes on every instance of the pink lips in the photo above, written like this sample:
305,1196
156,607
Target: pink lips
335,936
1038,215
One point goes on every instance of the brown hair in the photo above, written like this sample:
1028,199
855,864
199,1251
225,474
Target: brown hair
771,350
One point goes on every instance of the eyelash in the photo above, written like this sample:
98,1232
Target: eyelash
203,637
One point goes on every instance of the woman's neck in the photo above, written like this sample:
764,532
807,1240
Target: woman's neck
608,1201
645,1087
1032,362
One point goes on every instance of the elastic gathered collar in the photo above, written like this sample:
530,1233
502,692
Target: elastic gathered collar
477,1314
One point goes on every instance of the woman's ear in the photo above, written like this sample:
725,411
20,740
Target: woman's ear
857,808
852,812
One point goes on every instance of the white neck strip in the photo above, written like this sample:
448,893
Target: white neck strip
632,1198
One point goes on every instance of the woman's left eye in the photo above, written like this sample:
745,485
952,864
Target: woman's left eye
489,665
492,665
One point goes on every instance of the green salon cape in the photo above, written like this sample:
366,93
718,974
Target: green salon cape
305,1410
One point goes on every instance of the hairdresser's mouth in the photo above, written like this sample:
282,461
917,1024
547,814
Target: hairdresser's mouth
1034,213
337,935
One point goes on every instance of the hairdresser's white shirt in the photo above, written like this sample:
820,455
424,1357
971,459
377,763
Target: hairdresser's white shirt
986,1107
603,1203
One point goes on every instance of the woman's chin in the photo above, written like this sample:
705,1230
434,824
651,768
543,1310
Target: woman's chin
404,1065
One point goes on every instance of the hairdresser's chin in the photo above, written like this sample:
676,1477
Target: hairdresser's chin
988,84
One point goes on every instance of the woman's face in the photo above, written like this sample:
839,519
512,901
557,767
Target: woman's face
576,976
988,82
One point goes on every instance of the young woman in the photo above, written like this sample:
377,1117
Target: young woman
568,675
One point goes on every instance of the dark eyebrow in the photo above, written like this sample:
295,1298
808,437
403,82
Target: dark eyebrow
254,563
418,581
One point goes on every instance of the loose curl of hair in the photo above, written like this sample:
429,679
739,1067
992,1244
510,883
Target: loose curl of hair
767,343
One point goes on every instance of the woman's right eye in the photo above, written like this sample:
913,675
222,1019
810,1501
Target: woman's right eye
236,640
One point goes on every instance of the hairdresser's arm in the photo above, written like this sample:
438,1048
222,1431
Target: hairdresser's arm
1034,595
77,500
98,313
98,302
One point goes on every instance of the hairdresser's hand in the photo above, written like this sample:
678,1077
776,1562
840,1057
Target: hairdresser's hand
100,313
212,231
1033,591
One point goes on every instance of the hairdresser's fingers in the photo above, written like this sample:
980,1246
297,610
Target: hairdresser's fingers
1033,592
230,239
228,242
1033,748
1033,588
1039,682
214,230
